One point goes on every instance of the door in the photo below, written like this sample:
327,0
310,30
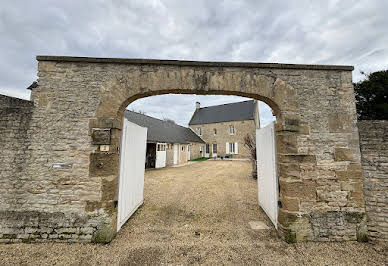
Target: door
267,180
160,155
131,175
176,153
207,150
188,152
214,153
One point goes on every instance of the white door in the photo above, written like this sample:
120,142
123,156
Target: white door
214,154
267,180
176,153
160,155
132,165
207,150
188,152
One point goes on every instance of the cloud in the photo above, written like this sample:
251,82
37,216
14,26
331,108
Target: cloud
311,32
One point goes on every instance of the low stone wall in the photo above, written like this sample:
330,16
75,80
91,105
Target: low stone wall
374,158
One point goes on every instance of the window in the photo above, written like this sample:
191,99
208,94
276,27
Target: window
231,148
199,131
207,148
214,148
183,148
160,147
231,130
215,131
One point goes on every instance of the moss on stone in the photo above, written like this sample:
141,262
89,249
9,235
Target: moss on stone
9,236
104,234
290,237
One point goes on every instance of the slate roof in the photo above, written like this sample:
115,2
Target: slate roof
162,131
224,113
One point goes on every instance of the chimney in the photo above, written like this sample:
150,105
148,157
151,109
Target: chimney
197,105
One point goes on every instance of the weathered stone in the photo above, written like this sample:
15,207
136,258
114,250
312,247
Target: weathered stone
101,136
340,123
302,190
103,164
343,154
374,155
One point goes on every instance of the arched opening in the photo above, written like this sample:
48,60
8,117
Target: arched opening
116,96
189,193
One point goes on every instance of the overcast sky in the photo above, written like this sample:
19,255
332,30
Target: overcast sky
308,32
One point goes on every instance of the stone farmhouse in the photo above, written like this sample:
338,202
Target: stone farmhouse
167,143
223,128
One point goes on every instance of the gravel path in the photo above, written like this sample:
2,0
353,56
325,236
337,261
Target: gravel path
197,214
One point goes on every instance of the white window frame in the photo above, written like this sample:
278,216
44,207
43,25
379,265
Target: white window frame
231,147
214,145
231,130
199,131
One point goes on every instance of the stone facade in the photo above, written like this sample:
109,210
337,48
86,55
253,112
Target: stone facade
374,157
318,156
195,150
242,128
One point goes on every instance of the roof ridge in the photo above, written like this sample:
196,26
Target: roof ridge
226,104
161,120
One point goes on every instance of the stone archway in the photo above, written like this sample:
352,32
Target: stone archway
81,101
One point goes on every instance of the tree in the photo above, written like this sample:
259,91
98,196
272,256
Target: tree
372,96
168,120
250,143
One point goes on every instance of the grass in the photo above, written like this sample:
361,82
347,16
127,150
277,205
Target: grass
200,159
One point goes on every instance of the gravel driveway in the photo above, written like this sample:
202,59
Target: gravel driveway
196,214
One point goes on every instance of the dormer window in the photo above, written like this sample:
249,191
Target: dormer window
231,130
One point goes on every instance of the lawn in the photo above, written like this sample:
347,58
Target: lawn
200,159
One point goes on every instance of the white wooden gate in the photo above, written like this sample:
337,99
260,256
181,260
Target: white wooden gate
267,179
132,166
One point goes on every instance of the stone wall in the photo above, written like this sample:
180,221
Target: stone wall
195,151
15,117
374,155
318,146
242,128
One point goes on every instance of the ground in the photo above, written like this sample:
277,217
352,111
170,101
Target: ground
196,214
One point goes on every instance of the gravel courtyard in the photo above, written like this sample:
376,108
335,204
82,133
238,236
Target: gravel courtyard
196,214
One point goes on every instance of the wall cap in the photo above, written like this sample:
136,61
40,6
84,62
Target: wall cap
140,61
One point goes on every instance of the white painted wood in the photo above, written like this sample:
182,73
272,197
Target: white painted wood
227,148
235,148
214,150
160,155
267,179
188,152
132,166
176,153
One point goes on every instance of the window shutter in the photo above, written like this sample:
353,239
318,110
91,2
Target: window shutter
235,148
227,148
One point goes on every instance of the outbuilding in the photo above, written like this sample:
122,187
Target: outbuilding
167,143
